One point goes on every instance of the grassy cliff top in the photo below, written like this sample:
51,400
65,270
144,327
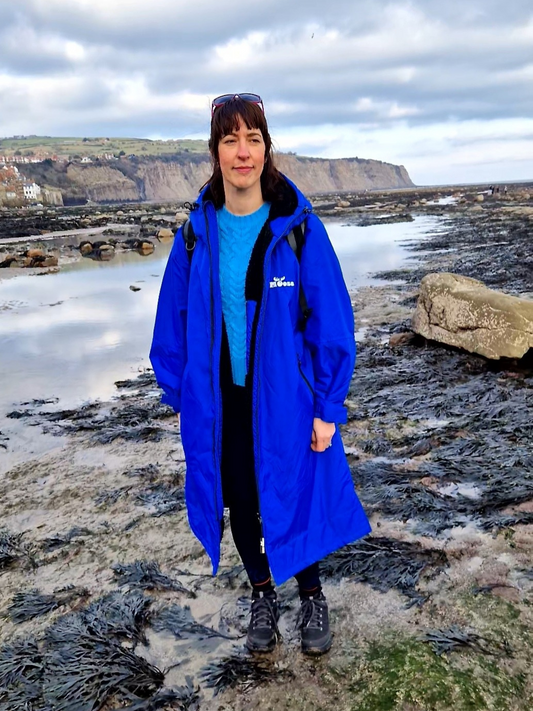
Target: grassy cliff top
64,147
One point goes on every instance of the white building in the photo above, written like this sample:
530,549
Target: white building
31,191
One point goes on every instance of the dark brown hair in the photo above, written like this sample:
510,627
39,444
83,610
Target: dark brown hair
226,120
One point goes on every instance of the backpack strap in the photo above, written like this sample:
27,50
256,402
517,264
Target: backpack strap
189,238
296,240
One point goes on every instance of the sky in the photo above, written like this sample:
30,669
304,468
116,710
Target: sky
443,88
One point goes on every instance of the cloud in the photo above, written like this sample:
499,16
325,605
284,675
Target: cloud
373,68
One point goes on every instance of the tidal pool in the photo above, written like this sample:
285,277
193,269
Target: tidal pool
71,335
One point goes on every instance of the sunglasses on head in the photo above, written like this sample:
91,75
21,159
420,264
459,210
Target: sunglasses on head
221,100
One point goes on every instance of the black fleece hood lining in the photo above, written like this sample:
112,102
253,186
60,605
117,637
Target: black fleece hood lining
284,205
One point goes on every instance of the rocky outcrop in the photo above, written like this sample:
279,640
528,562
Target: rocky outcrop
102,183
52,196
463,312
29,258
318,175
177,177
168,181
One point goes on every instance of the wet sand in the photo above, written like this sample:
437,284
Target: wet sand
440,446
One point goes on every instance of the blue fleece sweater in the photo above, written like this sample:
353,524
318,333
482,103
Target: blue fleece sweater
237,237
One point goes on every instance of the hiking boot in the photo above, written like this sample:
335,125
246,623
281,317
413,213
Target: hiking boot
313,622
263,628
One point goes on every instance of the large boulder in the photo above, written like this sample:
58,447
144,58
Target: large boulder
165,233
463,312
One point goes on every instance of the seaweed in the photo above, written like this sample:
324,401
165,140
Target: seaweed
162,499
146,575
80,663
19,414
121,615
503,262
85,669
386,564
28,605
143,380
183,698
453,638
180,622
474,418
107,498
150,472
12,550
238,670
59,540
21,676
130,422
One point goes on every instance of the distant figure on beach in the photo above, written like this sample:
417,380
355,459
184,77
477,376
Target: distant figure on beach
254,346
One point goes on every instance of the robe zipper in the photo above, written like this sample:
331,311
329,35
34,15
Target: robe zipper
220,519
258,334
306,381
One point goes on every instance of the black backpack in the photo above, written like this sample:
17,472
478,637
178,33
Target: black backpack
296,240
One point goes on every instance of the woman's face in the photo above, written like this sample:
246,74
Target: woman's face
241,156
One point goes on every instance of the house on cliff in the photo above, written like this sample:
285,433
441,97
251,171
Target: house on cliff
16,188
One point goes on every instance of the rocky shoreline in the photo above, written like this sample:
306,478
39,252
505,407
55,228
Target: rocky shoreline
431,612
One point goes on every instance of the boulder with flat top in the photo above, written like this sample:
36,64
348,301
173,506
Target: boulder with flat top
463,312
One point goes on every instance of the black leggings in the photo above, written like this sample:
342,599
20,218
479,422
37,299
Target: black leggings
240,490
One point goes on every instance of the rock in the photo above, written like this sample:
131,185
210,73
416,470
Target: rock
476,208
165,233
6,262
519,210
50,261
28,262
343,203
145,247
463,312
32,253
480,198
86,248
401,339
134,288
105,252
181,217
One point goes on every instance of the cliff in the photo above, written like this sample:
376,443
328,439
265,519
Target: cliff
179,176
318,175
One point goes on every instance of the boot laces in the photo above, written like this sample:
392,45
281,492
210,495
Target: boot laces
311,614
263,613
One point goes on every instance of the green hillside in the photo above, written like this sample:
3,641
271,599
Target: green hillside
91,147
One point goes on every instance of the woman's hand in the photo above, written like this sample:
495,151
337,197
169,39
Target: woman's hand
322,434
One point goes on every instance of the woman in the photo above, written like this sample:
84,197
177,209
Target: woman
260,386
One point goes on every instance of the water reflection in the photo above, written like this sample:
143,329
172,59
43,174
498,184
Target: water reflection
72,334
77,331
365,250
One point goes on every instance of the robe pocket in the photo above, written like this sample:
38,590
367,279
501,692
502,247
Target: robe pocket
250,315
305,378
